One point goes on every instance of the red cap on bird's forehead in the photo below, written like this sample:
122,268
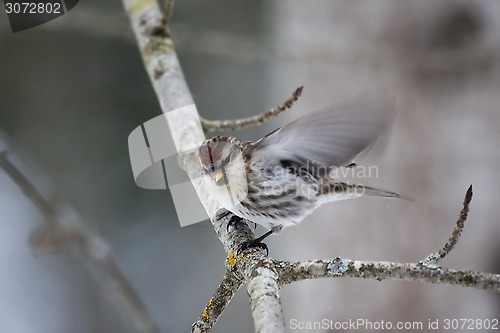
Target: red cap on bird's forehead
209,153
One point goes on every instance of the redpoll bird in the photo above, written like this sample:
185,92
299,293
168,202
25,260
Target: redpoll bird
280,179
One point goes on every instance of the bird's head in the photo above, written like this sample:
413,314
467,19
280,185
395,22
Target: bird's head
223,169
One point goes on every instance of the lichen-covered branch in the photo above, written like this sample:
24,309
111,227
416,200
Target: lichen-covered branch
298,271
237,124
263,290
64,229
252,266
228,287
158,54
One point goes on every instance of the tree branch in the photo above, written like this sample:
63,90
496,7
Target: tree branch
158,54
160,59
230,284
237,124
433,259
263,290
379,271
64,229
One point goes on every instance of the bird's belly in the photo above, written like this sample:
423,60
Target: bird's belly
284,214
282,200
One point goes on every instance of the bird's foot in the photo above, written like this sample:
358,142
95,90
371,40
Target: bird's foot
257,242
253,243
233,222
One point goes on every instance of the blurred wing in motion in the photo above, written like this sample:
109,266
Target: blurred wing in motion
329,137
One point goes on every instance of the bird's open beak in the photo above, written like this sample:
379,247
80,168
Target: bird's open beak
219,177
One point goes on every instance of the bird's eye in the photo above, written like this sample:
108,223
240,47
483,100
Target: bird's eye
226,161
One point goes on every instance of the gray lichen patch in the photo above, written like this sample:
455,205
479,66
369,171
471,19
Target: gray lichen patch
337,266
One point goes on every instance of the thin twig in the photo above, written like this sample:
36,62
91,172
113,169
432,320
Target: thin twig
237,124
65,229
433,259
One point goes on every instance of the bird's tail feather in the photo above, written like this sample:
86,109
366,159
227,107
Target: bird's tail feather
375,192
334,191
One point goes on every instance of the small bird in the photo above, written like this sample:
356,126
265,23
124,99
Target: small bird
280,179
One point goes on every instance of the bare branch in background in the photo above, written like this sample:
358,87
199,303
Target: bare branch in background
246,48
237,124
26,186
64,229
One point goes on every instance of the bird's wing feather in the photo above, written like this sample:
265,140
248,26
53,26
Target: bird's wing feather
329,137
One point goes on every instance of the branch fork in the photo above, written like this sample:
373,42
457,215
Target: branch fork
263,275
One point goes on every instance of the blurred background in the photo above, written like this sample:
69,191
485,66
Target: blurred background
73,89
